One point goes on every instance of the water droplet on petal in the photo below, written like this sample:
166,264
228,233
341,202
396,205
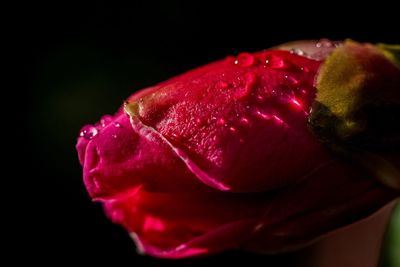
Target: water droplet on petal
232,129
117,124
304,69
325,43
275,62
323,48
245,60
250,81
297,51
114,136
88,132
106,119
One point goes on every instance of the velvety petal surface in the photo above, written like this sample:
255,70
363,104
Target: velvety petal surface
118,159
237,123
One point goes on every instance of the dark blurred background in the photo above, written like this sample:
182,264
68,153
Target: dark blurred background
80,60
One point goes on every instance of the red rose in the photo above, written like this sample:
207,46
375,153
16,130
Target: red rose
224,156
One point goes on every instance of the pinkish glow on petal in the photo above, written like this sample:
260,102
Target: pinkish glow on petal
153,224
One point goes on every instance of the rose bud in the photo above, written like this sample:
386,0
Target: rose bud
264,151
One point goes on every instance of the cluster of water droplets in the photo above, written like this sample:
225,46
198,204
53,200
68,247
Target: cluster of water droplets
317,50
291,92
90,131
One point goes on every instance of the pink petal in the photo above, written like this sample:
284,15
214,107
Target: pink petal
118,159
185,224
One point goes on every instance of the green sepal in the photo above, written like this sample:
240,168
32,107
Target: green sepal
357,108
392,52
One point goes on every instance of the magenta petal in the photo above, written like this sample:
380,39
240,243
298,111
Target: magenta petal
81,148
219,239
117,159
184,224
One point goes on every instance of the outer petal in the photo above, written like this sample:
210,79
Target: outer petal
186,224
177,225
332,197
239,125
118,159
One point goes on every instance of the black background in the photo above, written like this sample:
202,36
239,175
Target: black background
80,60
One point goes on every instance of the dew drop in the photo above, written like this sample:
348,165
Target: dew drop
325,43
245,60
232,129
117,124
275,62
250,81
304,69
105,120
114,136
88,132
297,51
